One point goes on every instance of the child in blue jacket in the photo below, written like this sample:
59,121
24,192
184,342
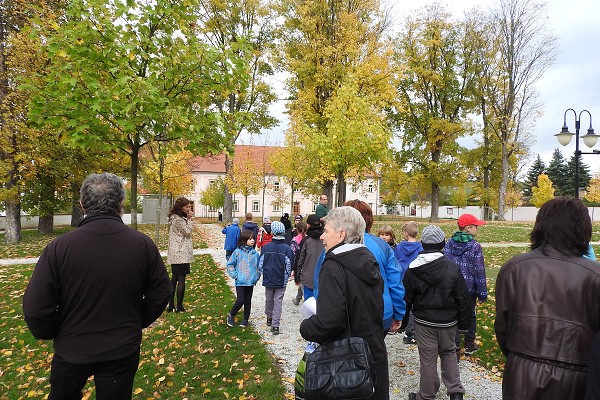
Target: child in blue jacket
232,235
243,267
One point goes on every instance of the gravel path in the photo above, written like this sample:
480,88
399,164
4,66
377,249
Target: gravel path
289,346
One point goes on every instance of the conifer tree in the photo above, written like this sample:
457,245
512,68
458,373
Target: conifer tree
536,169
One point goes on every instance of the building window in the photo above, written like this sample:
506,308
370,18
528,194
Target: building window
449,210
275,187
255,206
370,189
236,206
297,190
276,207
210,209
315,207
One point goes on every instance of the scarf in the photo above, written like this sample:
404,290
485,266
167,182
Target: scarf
462,237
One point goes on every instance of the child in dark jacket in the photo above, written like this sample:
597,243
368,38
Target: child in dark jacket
436,292
275,266
232,235
251,226
406,251
464,250
243,267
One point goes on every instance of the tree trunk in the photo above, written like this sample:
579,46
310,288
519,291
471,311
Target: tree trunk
134,170
328,190
341,190
12,231
76,210
435,201
46,224
503,183
228,198
47,201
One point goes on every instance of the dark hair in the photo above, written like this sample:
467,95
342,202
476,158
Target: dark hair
564,224
102,193
244,236
365,211
301,226
178,207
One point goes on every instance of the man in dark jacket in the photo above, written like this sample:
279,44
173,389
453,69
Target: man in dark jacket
437,294
92,291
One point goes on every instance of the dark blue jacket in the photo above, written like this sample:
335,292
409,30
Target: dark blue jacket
252,227
232,235
275,264
405,253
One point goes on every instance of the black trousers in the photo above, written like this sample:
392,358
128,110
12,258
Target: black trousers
244,298
113,379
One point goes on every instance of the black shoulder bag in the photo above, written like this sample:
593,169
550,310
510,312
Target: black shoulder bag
341,369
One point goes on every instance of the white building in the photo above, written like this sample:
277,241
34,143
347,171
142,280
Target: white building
266,202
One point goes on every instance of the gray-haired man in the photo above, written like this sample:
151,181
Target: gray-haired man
92,291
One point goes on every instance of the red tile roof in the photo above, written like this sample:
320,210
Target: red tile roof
216,163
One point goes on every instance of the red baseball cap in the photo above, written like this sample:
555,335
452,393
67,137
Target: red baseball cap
469,219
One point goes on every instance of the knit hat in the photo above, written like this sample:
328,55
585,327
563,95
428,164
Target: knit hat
432,238
298,217
469,219
266,219
235,221
277,228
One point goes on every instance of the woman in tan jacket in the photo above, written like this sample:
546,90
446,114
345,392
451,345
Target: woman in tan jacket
181,250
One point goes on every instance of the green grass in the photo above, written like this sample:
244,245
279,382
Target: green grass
188,355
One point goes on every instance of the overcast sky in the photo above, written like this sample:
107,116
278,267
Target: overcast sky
572,82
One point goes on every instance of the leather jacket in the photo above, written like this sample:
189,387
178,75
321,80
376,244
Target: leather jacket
547,315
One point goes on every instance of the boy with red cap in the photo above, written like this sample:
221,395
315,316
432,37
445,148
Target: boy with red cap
464,250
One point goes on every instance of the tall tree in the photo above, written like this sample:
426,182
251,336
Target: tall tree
17,138
125,74
522,49
437,90
537,168
341,82
226,24
557,172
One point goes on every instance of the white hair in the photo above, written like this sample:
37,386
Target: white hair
347,219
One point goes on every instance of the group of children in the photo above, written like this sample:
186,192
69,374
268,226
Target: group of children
443,281
246,266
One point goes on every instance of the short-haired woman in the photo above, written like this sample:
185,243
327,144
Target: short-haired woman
349,282
181,250
548,307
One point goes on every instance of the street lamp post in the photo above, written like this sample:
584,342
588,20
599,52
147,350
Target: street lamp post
590,139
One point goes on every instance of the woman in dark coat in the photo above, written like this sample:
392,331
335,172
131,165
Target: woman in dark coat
359,294
548,307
